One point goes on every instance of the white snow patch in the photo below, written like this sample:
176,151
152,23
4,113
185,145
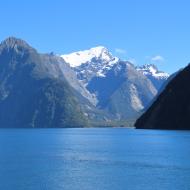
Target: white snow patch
151,69
78,58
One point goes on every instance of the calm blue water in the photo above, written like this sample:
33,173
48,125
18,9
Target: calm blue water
98,159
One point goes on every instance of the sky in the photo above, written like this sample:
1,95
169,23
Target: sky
142,31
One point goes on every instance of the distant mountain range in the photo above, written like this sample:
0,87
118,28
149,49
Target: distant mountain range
74,90
118,86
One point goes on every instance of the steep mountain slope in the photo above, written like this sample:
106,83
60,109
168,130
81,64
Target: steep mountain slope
33,89
123,91
163,86
171,110
119,87
72,79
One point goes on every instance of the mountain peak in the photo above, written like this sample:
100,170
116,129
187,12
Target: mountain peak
151,69
78,58
13,43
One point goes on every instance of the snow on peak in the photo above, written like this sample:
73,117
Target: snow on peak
151,69
78,58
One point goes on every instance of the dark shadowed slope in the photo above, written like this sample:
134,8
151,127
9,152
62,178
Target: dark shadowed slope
171,110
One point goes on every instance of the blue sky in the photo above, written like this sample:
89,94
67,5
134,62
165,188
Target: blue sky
142,31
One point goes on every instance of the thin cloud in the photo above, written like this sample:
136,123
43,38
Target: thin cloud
120,51
157,58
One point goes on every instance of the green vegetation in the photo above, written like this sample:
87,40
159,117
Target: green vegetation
123,123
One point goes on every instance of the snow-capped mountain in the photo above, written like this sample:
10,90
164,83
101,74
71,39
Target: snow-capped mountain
151,71
119,87
82,57
90,63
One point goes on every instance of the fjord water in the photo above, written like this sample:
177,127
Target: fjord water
94,159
